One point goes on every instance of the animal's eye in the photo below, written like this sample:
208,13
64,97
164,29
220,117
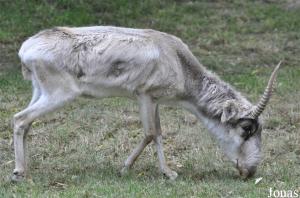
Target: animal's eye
247,131
247,128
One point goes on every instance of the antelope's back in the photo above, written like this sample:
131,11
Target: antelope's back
134,58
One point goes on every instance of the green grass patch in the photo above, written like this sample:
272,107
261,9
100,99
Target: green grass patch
78,151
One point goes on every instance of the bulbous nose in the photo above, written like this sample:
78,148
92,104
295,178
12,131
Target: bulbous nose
247,172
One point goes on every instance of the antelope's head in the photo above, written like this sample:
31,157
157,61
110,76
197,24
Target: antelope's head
241,139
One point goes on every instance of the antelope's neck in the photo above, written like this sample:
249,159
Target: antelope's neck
213,125
207,94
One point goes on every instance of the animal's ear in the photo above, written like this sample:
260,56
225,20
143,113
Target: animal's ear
230,110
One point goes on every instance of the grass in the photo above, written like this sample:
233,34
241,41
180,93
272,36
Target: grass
78,151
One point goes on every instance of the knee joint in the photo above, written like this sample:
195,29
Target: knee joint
19,126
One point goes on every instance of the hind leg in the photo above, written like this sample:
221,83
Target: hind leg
36,93
51,93
22,122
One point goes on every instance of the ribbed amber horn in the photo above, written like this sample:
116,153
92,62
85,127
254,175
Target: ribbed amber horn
260,107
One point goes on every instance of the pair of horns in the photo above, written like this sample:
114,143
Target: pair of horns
261,105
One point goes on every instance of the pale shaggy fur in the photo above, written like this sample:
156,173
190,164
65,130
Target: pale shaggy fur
150,66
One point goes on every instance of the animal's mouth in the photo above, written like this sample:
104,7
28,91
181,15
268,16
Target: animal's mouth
241,171
245,172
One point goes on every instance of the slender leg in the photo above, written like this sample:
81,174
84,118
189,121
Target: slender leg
145,141
52,88
135,153
22,122
159,146
150,120
35,96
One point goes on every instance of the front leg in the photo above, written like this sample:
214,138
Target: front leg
151,123
159,146
135,154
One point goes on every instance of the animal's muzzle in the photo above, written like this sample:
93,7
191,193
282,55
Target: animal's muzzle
245,172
